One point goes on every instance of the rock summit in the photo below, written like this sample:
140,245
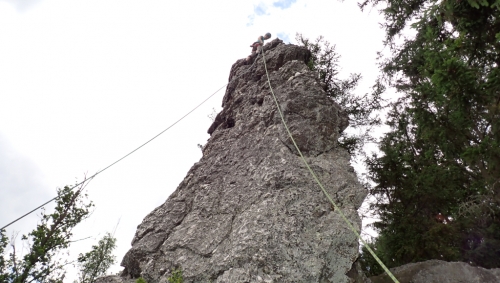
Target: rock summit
249,211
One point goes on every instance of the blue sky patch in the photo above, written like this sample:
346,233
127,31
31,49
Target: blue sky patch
260,9
284,36
251,18
284,4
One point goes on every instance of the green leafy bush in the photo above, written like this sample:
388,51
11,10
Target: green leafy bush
176,276
51,236
96,262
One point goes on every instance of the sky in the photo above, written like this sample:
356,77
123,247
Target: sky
82,83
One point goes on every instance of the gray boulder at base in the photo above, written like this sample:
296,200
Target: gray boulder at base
437,271
249,211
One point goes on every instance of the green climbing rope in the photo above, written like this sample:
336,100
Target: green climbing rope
319,183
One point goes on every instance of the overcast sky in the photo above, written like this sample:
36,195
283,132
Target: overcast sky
83,83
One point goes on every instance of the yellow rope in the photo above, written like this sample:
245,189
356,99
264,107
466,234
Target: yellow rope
319,183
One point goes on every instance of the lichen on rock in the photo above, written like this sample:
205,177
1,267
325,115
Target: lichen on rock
249,211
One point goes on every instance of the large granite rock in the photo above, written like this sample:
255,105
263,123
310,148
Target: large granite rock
249,211
437,271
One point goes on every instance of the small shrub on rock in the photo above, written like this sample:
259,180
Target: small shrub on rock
176,276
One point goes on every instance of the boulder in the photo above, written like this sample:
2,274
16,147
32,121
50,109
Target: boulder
438,271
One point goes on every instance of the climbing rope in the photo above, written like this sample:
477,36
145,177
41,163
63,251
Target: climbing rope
150,140
319,183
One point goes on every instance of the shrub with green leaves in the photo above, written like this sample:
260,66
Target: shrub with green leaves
52,235
3,264
176,276
96,262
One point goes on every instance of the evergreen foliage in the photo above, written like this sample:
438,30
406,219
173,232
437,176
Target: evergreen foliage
438,177
52,236
361,109
98,260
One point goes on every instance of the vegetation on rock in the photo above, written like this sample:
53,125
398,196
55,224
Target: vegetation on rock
362,110
176,276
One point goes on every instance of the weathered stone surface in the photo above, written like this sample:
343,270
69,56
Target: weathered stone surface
249,211
114,279
437,271
357,275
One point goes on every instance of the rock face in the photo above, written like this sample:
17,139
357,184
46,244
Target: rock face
249,211
437,271
114,279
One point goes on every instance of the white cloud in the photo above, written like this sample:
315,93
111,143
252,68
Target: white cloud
82,83
22,187
21,182
22,5
284,4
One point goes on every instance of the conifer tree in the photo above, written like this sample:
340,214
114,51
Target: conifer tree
438,175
